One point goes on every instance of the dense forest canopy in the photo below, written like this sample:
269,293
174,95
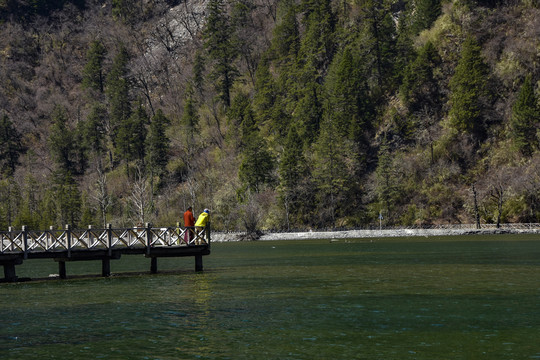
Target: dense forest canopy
275,114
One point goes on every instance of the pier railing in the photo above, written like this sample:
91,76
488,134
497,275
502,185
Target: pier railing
27,241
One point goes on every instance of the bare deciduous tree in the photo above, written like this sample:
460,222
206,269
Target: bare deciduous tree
101,196
140,199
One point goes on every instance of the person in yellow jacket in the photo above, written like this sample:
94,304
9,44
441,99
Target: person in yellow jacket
202,220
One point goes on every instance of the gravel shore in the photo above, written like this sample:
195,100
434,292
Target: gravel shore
224,237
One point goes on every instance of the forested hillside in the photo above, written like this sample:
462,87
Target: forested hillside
282,114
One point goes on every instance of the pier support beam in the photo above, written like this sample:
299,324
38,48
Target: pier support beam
198,263
153,265
62,269
106,267
9,272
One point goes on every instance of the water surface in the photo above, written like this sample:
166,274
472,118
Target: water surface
474,297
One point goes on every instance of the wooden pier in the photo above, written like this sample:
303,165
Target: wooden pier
100,244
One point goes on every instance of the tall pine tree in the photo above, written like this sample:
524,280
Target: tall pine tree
525,119
118,94
93,77
468,89
11,146
221,48
157,144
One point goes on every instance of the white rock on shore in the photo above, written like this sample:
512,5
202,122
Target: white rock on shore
358,234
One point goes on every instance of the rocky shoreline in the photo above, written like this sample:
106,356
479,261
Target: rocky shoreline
358,234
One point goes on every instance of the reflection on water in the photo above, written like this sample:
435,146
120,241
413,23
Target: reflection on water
390,299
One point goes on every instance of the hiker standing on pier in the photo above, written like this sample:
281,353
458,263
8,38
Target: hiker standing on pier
189,223
202,220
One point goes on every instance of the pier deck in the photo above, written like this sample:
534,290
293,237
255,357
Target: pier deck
101,244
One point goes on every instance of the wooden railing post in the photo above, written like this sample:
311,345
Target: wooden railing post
109,239
178,232
148,238
11,242
68,239
49,236
25,241
89,236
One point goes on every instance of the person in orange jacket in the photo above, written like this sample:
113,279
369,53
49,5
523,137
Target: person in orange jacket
189,223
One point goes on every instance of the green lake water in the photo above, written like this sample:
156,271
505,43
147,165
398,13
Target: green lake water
474,297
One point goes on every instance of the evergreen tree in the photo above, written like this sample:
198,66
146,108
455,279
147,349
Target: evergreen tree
381,41
425,13
131,135
241,117
61,142
419,88
387,187
349,106
198,73
29,213
222,50
348,99
11,146
286,35
118,94
292,174
190,119
80,149
10,199
93,77
468,89
257,163
265,90
332,172
157,144
67,199
525,119
309,112
317,46
94,131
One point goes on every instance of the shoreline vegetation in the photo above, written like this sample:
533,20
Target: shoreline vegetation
455,230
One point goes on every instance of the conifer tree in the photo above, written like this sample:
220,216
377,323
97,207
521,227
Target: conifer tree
67,198
118,94
257,163
94,131
419,88
29,213
93,77
386,188
318,45
11,146
138,132
241,117
525,119
10,200
80,149
349,106
286,35
292,172
347,95
222,51
381,41
157,144
332,172
268,103
61,144
425,13
309,112
468,89
190,118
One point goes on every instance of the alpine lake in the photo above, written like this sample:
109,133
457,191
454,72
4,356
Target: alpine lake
459,297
